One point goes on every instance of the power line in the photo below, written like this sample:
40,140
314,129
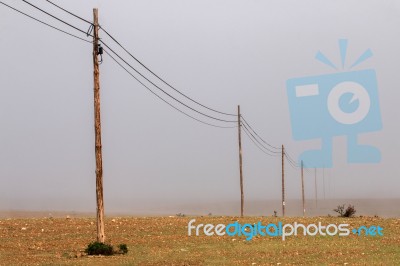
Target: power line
290,158
142,64
191,108
161,79
274,152
70,12
47,13
293,164
287,153
60,30
259,135
222,120
247,130
144,85
255,143
296,164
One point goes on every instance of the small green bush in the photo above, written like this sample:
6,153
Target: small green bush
97,248
123,248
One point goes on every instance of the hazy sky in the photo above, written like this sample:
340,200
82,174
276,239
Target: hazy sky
221,53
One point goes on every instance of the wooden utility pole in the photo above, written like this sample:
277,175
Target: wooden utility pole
240,163
302,188
97,129
315,185
283,181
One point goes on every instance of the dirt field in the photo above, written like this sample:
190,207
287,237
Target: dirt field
164,241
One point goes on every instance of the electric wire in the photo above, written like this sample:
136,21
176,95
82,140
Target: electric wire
141,63
70,12
295,165
193,109
289,157
259,135
222,120
144,85
274,152
247,131
292,163
246,128
161,79
47,13
38,20
187,106
255,143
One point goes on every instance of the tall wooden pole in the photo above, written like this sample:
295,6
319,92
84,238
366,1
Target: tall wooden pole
97,129
283,181
240,163
315,185
302,188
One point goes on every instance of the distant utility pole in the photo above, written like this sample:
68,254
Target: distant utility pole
240,163
302,188
97,129
283,181
315,186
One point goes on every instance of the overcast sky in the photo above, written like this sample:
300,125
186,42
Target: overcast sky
221,53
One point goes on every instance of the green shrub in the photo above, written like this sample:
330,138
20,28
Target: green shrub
123,248
97,248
